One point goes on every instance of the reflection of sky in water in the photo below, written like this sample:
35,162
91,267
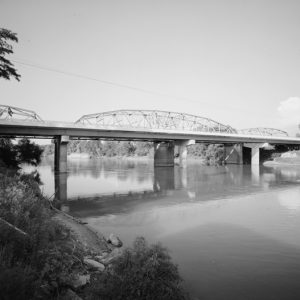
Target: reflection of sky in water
158,220
290,199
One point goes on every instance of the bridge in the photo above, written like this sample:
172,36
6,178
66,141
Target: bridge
170,132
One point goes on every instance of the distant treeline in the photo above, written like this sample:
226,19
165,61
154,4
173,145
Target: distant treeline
212,153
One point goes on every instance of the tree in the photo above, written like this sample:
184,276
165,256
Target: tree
12,155
7,69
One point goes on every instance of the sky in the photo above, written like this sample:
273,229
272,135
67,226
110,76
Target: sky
234,61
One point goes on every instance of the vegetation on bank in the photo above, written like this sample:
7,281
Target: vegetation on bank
286,158
41,258
142,272
36,259
208,153
13,154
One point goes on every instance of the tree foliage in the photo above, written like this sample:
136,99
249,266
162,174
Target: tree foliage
12,155
7,69
142,272
39,264
210,153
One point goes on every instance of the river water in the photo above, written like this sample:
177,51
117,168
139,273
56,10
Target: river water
234,231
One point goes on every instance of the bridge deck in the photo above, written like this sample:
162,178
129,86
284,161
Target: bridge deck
52,129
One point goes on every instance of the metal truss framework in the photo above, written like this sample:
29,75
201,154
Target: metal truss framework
10,112
154,119
264,131
144,119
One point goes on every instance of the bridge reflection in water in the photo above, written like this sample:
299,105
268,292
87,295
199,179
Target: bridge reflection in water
169,186
165,179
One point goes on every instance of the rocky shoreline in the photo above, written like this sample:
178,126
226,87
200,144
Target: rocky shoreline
99,252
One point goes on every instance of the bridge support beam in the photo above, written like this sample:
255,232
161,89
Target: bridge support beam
163,154
181,151
233,154
60,153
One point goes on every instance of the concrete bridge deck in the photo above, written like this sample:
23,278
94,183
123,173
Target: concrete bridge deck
52,129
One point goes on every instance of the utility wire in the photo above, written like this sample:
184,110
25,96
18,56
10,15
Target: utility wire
120,85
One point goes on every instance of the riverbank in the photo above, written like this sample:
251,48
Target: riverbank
285,159
48,254
146,159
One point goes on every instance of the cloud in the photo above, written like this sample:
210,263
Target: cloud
289,111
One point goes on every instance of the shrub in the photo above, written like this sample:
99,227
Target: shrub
40,263
12,155
143,273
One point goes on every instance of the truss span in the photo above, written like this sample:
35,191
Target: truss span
264,132
154,119
8,112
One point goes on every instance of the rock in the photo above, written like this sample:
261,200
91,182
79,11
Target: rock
102,256
114,240
80,281
113,255
93,264
70,295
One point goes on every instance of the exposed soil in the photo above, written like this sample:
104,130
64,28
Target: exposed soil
90,239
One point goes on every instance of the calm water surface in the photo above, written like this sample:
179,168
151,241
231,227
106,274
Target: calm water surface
233,230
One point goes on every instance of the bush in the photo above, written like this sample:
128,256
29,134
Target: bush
142,273
12,155
40,263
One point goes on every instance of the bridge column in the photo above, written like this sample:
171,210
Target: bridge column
60,185
181,151
60,153
255,147
163,154
233,154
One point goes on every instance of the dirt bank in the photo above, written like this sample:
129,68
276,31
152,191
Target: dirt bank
86,236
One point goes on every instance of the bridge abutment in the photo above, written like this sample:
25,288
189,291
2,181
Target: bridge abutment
60,153
163,154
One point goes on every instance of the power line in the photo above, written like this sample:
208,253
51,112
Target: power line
120,85
102,81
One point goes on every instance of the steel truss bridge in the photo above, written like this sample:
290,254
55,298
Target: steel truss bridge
146,120
168,130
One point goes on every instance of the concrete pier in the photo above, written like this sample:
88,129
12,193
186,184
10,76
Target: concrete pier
60,184
60,153
255,151
181,151
164,154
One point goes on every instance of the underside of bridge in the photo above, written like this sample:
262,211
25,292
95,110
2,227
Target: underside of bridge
169,153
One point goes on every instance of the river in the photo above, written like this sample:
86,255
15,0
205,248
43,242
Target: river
234,231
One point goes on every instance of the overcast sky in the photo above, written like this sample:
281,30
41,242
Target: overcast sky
237,62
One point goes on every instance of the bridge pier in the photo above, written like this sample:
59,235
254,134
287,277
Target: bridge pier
181,151
163,154
255,151
233,154
60,185
60,153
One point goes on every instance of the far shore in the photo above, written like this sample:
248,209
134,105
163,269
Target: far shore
87,156
271,163
290,158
